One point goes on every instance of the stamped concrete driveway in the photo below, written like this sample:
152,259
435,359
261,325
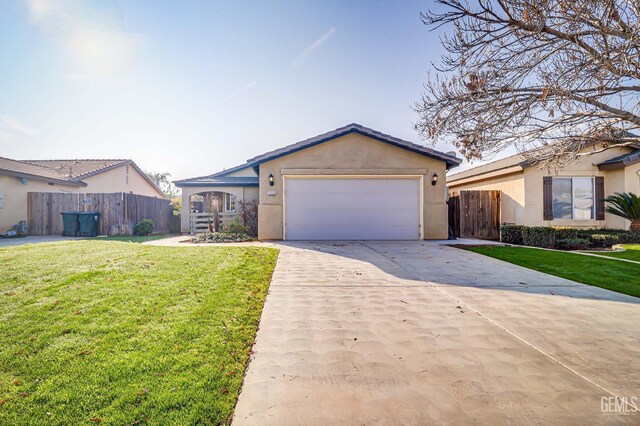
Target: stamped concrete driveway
423,333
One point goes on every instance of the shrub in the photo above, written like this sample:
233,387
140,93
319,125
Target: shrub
539,236
235,227
629,237
220,237
248,214
144,227
563,233
603,240
573,244
511,234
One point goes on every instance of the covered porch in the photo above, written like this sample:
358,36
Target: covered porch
211,211
211,202
211,208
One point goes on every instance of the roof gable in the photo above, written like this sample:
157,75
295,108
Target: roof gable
230,176
68,172
78,169
519,160
34,171
450,159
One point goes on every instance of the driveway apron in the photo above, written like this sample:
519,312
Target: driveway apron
424,333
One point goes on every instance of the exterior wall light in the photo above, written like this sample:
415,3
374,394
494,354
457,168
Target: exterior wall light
270,179
434,179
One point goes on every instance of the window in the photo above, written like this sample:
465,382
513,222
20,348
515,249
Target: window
1,200
573,198
126,175
229,202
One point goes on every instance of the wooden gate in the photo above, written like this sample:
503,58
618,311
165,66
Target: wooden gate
119,211
475,214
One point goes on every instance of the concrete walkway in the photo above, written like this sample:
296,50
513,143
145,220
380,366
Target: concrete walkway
423,333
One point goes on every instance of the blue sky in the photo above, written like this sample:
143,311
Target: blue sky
194,87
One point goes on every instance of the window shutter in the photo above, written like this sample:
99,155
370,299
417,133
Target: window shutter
547,198
599,196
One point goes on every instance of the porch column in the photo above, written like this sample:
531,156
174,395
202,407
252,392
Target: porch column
184,213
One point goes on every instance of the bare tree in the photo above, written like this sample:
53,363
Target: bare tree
558,75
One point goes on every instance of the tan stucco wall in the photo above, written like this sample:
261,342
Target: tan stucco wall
115,181
526,189
15,198
511,197
246,172
353,154
15,193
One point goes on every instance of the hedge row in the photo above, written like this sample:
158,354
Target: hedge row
565,238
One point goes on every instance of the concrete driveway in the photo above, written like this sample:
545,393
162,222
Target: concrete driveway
423,333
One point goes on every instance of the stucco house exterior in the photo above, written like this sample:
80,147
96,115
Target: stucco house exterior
17,178
573,197
352,183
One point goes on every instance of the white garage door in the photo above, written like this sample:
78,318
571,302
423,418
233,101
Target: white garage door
352,209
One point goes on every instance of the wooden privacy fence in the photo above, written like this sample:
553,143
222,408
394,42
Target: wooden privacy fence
475,214
119,211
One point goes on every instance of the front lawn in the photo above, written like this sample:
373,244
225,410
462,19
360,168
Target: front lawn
133,238
623,277
115,333
632,252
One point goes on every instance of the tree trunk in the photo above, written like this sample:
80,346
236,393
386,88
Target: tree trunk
635,225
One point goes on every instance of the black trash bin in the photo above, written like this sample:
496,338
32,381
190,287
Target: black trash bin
88,223
70,224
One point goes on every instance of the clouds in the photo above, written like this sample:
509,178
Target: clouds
247,87
12,129
310,48
93,34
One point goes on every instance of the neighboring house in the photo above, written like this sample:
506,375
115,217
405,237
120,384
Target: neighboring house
17,178
531,196
352,183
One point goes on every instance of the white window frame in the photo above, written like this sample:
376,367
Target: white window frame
573,195
228,200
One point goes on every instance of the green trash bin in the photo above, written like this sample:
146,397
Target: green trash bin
70,224
88,223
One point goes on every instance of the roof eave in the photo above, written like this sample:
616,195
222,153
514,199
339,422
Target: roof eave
619,164
515,168
215,184
450,161
42,178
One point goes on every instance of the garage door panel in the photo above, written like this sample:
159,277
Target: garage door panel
352,209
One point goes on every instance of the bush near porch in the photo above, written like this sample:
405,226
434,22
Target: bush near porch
564,238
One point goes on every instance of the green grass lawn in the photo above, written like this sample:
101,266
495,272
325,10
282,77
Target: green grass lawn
632,252
622,277
118,333
133,238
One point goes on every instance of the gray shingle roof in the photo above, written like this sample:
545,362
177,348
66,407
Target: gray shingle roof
220,181
450,159
519,160
503,163
212,176
621,160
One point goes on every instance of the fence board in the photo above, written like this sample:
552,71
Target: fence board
475,214
119,212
